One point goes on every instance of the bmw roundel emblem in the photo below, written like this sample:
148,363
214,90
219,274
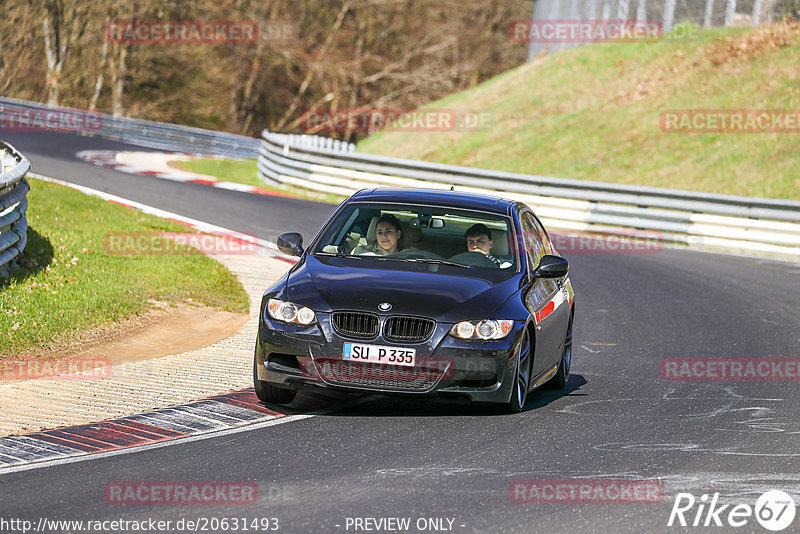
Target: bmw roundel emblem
384,306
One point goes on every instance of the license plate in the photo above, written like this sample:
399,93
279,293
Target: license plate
357,352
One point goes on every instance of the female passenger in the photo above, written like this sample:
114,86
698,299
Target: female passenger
388,233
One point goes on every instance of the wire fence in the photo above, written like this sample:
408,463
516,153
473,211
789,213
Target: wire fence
666,13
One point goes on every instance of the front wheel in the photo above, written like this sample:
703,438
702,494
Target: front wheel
522,379
559,381
267,392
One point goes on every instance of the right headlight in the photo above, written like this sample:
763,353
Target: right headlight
485,329
287,312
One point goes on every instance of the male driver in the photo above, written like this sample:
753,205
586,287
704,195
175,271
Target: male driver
479,239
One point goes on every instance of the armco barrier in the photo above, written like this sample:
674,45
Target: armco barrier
13,204
699,220
160,135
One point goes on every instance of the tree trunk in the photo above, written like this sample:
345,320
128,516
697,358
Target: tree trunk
98,85
118,72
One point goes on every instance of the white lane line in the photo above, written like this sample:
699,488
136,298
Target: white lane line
153,446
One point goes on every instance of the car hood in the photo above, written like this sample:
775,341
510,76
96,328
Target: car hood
445,293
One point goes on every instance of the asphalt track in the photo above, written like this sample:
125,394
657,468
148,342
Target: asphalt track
378,457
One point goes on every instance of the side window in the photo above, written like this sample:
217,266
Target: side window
533,238
549,248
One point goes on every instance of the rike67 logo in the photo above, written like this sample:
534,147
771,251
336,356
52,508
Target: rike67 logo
774,510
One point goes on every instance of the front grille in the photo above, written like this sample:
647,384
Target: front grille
353,324
378,376
407,329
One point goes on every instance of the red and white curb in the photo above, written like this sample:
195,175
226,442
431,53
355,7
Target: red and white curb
267,248
111,159
211,415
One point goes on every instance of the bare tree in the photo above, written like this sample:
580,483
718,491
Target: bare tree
62,25
98,84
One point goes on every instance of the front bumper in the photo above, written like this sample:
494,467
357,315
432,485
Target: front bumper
298,357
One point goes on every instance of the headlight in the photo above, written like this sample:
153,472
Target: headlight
287,312
486,329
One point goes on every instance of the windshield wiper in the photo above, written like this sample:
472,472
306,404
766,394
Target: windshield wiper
337,255
437,262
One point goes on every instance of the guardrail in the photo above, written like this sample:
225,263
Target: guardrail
698,220
13,205
159,135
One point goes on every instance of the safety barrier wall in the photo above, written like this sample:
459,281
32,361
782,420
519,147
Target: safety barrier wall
25,115
699,220
13,205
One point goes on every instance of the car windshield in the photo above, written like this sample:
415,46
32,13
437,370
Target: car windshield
459,238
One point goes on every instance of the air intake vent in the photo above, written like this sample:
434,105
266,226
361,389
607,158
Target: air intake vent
353,324
378,376
407,329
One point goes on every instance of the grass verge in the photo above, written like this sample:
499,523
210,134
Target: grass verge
246,172
70,282
594,112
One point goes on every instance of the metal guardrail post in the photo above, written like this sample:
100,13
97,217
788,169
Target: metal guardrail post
669,15
730,12
757,6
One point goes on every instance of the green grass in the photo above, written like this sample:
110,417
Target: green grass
70,282
246,172
593,113
229,170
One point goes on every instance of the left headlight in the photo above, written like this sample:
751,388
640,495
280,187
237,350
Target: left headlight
486,329
287,312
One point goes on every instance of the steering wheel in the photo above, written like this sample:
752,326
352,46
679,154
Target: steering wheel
475,259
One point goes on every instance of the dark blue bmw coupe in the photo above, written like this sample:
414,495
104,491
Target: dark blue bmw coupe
419,292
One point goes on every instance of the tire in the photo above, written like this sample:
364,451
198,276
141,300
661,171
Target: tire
559,381
269,393
519,393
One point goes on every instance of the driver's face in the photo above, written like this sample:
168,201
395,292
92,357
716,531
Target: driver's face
479,243
387,236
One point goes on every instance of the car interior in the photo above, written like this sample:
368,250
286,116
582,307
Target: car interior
426,236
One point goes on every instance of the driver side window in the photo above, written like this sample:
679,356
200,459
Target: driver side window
532,238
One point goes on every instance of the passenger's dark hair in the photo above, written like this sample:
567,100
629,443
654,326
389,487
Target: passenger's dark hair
478,229
391,219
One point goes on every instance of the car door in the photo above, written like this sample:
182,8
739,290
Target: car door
545,298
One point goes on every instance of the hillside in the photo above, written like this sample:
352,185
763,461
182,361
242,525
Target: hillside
594,113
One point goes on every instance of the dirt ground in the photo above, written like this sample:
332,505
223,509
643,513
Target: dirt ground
164,330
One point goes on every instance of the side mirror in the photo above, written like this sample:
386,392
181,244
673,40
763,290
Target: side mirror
291,243
551,267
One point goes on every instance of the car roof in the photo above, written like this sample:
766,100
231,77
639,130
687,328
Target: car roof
452,199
